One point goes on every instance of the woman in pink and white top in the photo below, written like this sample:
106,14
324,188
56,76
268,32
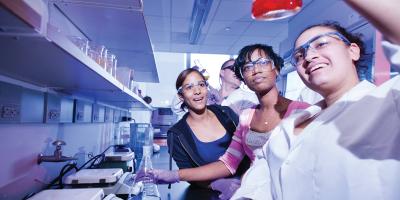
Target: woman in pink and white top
257,66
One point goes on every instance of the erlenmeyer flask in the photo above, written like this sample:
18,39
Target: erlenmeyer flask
150,189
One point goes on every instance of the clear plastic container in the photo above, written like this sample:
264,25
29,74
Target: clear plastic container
141,135
94,55
81,43
104,62
97,53
111,64
124,75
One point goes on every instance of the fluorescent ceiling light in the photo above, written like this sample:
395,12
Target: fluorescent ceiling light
200,12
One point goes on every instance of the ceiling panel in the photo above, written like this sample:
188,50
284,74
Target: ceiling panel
159,8
183,48
160,37
228,27
179,38
115,4
157,24
266,29
346,20
227,20
162,47
234,11
220,40
245,40
180,24
181,8
213,49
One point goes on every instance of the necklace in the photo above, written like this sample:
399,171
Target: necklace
279,110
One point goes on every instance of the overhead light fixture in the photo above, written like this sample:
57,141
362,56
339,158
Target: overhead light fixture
200,12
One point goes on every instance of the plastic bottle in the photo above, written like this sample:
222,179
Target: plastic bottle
150,189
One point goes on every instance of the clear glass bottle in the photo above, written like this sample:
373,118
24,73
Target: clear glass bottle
150,189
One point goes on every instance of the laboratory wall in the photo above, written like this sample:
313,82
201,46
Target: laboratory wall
30,91
22,143
31,120
169,65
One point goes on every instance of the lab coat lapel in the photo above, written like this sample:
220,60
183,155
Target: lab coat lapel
323,116
296,119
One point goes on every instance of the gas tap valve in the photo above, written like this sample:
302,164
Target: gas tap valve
57,156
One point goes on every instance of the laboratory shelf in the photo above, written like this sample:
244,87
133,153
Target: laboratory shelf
43,56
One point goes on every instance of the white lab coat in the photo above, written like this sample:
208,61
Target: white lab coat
255,184
240,100
351,150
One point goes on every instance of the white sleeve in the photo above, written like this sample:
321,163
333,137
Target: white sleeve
176,106
256,183
392,52
240,100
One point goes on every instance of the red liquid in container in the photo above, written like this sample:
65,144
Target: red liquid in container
275,9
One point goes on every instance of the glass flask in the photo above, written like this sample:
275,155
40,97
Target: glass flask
269,10
150,189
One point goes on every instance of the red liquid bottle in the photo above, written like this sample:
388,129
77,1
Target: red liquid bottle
275,9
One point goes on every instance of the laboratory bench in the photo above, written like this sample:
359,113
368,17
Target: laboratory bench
181,190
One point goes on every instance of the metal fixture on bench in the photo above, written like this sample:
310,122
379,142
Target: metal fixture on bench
57,157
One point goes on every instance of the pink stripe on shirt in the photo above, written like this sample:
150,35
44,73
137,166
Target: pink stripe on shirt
238,148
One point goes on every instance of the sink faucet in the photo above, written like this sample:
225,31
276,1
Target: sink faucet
57,157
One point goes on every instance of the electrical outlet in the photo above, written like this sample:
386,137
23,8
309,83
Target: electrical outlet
108,115
79,116
90,155
53,114
95,113
10,112
52,106
82,111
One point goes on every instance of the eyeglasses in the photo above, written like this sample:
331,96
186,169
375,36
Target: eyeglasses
231,67
192,86
263,63
316,44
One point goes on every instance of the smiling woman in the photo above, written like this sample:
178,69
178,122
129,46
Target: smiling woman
316,54
352,134
259,66
204,132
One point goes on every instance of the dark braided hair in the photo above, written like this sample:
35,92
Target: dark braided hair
245,56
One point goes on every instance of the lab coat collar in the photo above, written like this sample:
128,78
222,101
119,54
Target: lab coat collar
321,115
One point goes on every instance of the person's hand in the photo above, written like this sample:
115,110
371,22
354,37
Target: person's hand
226,186
165,176
142,175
